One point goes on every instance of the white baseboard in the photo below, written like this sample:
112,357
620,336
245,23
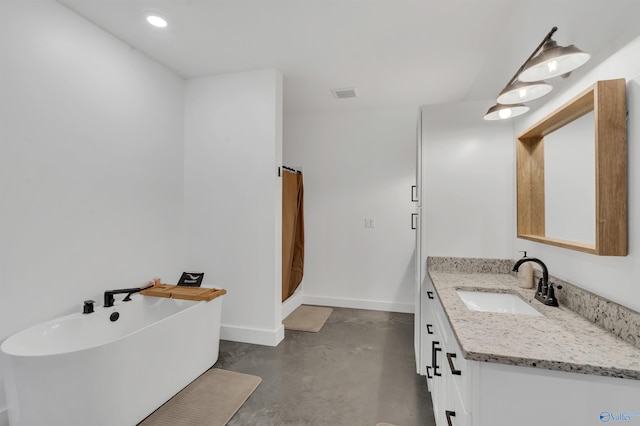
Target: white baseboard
255,336
4,417
358,304
292,303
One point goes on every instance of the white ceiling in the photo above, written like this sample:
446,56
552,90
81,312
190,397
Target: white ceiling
395,52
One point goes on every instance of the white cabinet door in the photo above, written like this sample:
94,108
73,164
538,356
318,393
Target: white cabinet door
454,411
459,371
506,395
428,330
438,384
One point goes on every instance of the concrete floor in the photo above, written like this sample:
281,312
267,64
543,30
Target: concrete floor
358,370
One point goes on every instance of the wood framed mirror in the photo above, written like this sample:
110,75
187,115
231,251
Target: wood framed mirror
607,100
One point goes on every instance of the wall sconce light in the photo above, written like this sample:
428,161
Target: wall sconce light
519,91
527,85
502,112
553,61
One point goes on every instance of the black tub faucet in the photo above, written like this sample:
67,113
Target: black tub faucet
545,292
108,295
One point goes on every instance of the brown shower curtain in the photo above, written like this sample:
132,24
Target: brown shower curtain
292,233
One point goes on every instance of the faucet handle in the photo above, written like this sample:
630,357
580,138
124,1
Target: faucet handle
108,299
539,288
88,307
551,296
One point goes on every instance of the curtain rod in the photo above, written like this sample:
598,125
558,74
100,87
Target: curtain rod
289,169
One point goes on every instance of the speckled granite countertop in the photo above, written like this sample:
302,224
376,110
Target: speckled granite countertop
561,340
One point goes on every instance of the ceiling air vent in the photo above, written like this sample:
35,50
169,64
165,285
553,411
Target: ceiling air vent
345,92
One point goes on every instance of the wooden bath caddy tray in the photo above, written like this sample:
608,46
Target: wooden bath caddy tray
182,292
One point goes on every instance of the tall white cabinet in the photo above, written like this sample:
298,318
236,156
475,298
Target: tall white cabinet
465,176
416,197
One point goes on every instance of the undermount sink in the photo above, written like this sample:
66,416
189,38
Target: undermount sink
506,303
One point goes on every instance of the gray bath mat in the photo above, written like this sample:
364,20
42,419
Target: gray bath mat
307,318
210,400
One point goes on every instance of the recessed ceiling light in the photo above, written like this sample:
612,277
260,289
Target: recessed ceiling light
157,21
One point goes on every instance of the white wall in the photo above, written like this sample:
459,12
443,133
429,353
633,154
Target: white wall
468,184
357,164
233,146
92,176
90,165
615,278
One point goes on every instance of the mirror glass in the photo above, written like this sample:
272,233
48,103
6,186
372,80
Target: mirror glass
570,181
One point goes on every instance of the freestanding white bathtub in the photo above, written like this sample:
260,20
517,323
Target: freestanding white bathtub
84,369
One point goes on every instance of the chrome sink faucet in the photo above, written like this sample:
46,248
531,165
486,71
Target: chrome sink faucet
545,292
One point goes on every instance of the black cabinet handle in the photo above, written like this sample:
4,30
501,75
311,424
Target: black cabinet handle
429,376
430,294
449,414
451,366
414,224
435,367
434,357
414,193
429,328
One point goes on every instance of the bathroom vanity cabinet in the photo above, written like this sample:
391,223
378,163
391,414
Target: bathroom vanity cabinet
448,373
499,392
